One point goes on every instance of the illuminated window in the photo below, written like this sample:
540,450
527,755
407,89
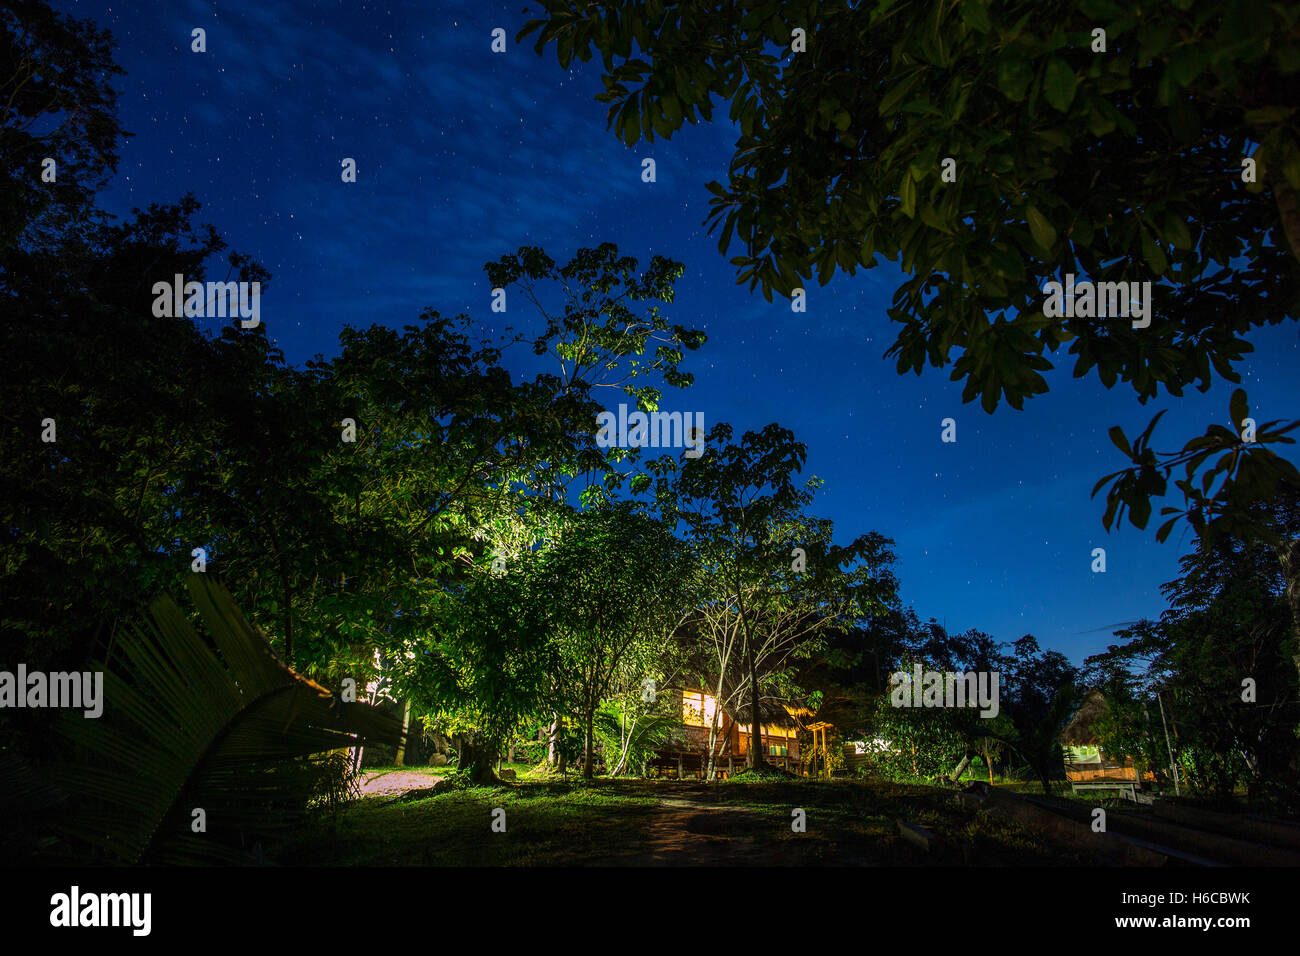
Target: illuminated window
698,708
768,730
780,750
1085,754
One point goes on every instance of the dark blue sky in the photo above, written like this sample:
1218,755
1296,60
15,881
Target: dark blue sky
464,155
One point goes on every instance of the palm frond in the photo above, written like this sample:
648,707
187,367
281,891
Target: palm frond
217,723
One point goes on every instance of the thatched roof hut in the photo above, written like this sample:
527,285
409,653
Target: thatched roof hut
1086,765
1081,729
774,713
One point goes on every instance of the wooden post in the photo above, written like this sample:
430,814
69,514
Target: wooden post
680,772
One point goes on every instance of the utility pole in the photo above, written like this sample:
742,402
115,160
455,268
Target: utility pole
1172,765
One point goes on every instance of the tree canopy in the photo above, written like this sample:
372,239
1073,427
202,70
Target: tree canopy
1089,137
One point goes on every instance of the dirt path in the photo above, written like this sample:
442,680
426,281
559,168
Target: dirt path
686,830
394,782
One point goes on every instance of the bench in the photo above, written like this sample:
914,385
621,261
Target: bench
1125,786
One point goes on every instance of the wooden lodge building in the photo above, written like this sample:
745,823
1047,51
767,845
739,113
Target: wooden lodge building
1087,767
686,752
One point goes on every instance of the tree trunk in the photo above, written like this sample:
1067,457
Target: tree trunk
589,719
961,769
755,728
288,624
357,753
400,760
627,746
477,758
1042,766
553,744
710,771
1288,556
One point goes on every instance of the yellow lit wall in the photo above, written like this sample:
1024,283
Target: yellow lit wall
698,708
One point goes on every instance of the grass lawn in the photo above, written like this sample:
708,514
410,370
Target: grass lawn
651,822
546,823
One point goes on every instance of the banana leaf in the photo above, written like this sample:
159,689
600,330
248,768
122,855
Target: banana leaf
192,722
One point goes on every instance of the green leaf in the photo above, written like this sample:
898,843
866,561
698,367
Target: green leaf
1238,408
1177,233
1082,232
1165,528
1151,427
907,195
1099,123
1268,115
200,721
630,122
1139,510
889,103
1291,168
1154,255
1121,442
1058,84
931,218
1112,504
1043,232
1014,76
1097,487
1187,63
1057,137
672,107
975,16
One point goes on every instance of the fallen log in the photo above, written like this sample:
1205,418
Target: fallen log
1074,833
918,835
1277,833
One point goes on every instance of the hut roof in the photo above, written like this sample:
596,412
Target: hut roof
775,713
1081,729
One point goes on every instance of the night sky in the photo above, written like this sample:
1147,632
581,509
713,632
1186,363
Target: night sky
464,155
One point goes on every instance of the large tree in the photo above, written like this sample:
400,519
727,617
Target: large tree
771,583
613,598
480,664
111,417
1089,137
1227,622
58,105
475,469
